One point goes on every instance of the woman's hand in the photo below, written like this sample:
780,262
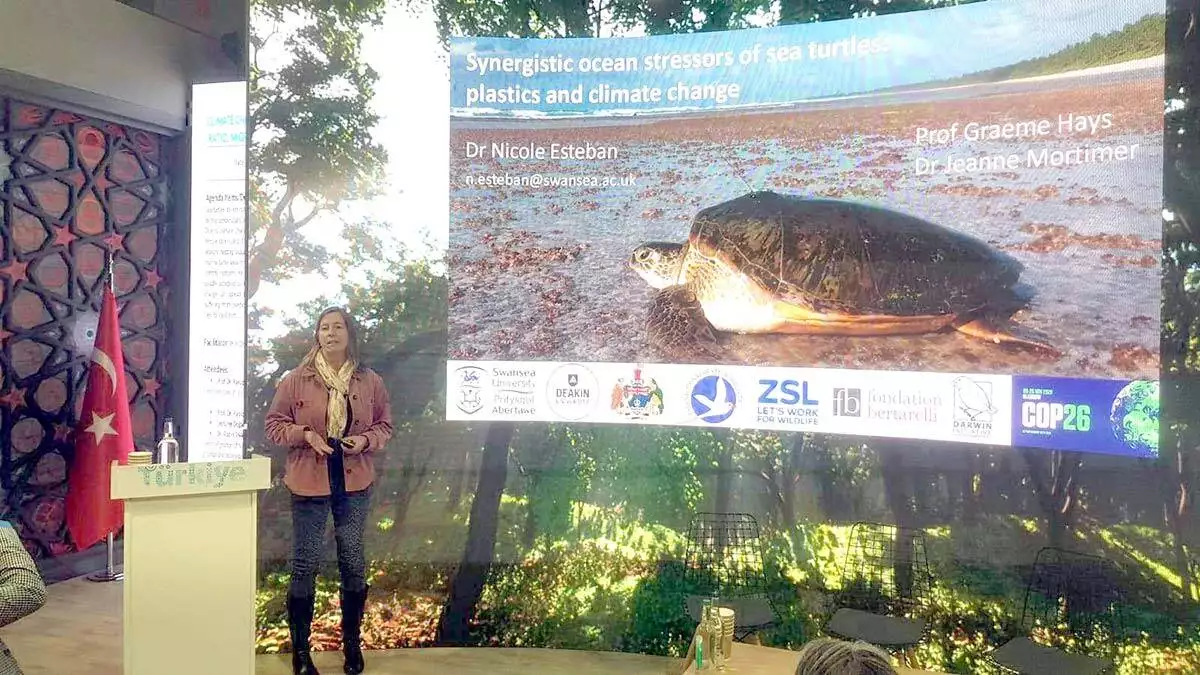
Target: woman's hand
355,444
317,443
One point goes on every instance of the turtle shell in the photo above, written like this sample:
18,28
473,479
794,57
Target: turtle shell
844,256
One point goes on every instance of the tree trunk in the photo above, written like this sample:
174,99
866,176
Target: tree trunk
457,475
829,499
969,494
465,590
266,255
529,533
1055,483
896,485
791,475
543,457
773,500
1176,493
410,484
413,471
724,496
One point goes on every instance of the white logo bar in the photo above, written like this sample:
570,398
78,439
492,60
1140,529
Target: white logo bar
968,408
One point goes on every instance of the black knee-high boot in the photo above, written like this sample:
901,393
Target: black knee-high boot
353,603
300,616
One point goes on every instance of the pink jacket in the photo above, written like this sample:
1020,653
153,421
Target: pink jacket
300,404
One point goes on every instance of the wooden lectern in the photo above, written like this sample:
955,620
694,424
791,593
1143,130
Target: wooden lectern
191,535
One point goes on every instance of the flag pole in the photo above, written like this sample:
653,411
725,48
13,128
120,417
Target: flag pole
110,572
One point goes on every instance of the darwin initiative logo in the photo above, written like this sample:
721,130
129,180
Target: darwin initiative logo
974,407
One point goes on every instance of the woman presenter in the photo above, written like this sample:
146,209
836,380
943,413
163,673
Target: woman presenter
333,414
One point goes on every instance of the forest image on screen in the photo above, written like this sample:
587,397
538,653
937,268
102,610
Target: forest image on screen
941,225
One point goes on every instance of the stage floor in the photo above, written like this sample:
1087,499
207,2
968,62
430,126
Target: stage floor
79,631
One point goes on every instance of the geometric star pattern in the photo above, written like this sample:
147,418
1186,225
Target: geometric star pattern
74,189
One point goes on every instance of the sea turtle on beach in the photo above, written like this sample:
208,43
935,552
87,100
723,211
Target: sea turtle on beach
771,263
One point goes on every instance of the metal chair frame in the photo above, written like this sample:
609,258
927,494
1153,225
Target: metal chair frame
723,558
1059,582
870,580
878,561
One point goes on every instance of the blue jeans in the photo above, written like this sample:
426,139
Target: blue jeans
309,515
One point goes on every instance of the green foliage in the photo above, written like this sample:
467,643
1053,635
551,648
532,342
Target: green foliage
663,485
573,596
1181,262
311,122
559,472
658,623
803,11
808,554
1138,40
595,18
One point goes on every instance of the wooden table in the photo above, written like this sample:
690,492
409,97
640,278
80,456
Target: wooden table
747,660
756,660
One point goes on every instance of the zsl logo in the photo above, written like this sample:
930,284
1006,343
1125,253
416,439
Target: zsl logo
1042,415
791,392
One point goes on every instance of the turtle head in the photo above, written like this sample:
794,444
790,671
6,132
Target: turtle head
658,263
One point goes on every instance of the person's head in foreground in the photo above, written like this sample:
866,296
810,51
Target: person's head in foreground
827,656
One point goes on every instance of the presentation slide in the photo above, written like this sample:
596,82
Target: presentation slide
942,225
217,342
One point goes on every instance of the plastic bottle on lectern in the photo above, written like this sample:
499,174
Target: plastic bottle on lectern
168,446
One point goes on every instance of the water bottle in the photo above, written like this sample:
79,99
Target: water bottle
168,446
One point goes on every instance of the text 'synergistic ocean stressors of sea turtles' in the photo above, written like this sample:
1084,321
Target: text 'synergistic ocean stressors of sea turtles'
771,263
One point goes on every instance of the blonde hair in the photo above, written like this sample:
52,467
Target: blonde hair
827,656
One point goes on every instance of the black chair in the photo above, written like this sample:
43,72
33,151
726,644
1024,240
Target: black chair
723,561
885,584
1070,590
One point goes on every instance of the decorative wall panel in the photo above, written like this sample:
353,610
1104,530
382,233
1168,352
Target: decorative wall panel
73,190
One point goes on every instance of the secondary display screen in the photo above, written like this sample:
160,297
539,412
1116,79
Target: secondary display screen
217,343
942,225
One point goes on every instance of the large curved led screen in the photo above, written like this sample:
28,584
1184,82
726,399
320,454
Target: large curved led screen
941,225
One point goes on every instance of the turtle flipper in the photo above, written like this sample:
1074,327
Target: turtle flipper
677,326
985,331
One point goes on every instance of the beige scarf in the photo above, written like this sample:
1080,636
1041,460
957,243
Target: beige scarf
339,387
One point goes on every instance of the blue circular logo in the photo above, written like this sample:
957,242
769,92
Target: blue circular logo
713,399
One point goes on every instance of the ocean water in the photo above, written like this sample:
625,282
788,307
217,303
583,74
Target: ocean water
540,273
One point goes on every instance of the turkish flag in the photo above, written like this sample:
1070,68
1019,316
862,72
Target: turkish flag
104,434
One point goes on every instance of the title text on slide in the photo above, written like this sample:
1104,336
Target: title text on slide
680,92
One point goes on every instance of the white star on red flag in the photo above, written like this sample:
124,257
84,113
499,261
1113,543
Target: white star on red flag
104,435
101,426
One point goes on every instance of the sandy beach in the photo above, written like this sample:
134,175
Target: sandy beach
540,273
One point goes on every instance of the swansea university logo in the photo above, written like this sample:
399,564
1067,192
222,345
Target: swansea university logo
470,389
974,407
713,399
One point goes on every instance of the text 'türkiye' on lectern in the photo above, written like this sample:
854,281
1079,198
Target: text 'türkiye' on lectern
191,534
